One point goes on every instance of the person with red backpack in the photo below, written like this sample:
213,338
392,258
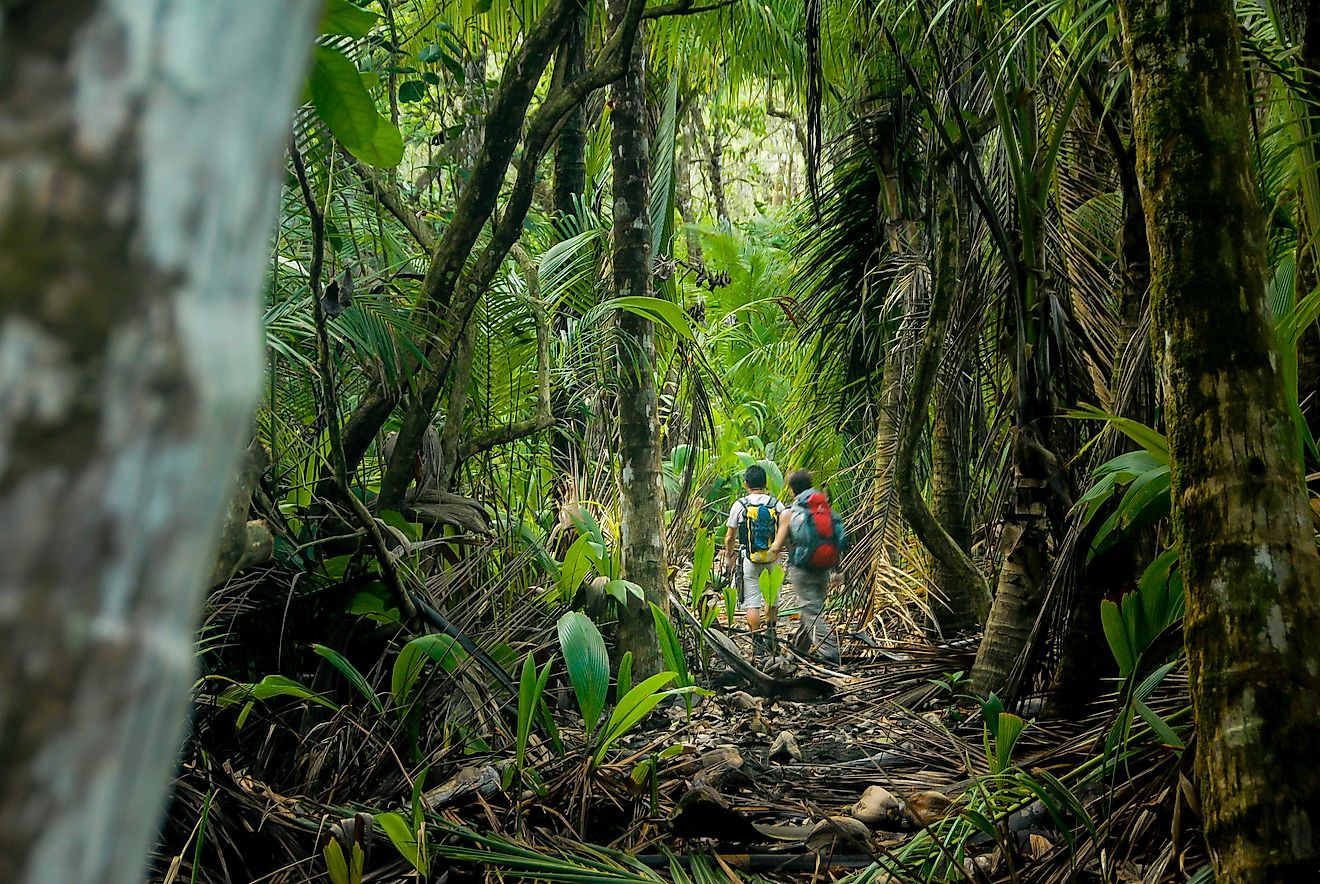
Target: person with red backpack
818,540
753,524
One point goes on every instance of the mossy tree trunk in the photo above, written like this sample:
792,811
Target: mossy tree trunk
641,492
1240,516
137,194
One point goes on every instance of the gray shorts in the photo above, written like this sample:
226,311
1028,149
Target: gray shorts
751,574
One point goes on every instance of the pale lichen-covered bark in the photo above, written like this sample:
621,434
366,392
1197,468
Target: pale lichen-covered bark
641,490
1240,515
139,153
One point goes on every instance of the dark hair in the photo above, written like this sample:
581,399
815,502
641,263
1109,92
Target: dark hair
755,477
799,481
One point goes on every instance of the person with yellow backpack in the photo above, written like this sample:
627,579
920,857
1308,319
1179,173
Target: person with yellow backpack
751,529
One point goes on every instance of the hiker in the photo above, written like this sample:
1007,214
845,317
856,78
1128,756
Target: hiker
817,539
754,522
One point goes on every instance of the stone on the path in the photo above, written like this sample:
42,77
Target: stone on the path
742,701
877,806
785,748
840,834
925,808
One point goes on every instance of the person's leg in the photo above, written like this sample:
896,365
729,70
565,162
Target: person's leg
753,601
814,635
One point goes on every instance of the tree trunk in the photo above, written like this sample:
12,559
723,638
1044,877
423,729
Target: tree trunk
570,188
641,491
712,149
950,458
683,201
571,144
1240,516
966,589
137,190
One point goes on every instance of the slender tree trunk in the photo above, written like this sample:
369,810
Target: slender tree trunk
137,189
711,148
683,200
451,432
641,491
966,589
570,188
1240,516
949,495
571,144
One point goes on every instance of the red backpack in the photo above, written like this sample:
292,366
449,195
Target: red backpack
818,536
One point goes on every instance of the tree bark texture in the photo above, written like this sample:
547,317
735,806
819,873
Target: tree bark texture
571,145
140,145
1240,517
967,589
950,485
641,491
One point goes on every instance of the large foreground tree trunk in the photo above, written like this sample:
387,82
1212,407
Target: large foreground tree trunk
139,153
1240,516
641,492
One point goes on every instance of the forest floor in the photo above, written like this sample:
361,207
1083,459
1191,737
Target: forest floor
882,759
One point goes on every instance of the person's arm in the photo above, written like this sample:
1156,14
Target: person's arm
730,544
781,536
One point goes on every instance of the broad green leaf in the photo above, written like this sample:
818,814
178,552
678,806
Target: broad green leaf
631,709
351,672
443,649
659,311
703,560
397,521
1117,635
1149,439
670,646
1010,728
385,150
341,100
577,565
269,688
619,590
624,682
403,838
412,90
430,53
588,665
343,18
335,864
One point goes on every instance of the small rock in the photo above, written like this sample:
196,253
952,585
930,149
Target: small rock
785,748
840,834
877,805
724,756
924,808
742,701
